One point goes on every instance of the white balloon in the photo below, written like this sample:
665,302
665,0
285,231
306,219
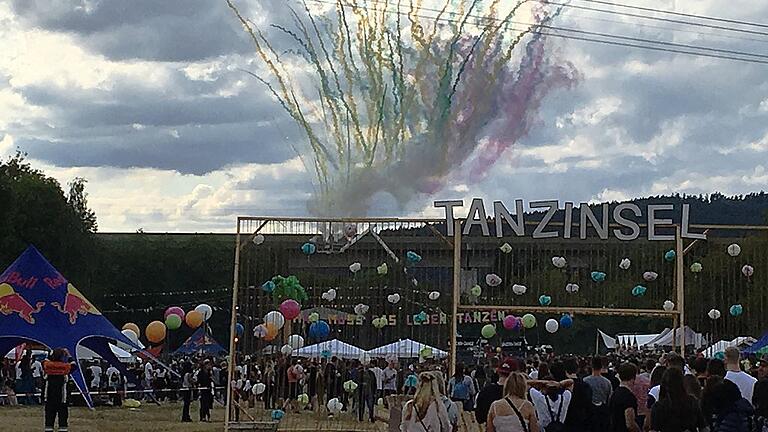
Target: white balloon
205,310
668,305
276,318
625,264
552,325
296,341
361,309
286,350
492,280
259,388
714,314
734,250
650,276
350,230
519,289
393,298
131,335
559,262
434,295
748,270
329,295
258,239
572,288
335,406
355,267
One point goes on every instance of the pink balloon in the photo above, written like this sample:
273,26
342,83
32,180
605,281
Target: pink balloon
510,322
175,310
290,309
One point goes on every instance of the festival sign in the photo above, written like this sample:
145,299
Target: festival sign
337,317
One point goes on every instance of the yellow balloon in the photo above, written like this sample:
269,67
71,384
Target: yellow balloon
155,332
132,326
271,331
194,319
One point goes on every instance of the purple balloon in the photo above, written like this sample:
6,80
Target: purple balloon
510,322
175,310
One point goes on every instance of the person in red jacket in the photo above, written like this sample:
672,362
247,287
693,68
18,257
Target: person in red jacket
57,369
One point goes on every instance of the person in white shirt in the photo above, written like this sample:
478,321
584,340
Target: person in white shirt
551,405
379,374
96,380
734,374
114,384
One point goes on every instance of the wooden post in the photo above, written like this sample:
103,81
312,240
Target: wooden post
232,330
680,284
456,292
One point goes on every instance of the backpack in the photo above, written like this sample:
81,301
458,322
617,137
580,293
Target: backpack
460,390
555,425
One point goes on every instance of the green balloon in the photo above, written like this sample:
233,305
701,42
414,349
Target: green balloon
529,321
476,291
488,331
173,322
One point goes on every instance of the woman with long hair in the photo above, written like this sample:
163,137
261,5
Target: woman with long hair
513,413
461,388
676,410
426,411
450,406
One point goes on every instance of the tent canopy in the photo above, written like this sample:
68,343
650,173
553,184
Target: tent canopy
720,346
200,342
759,345
39,305
639,340
405,348
670,337
335,347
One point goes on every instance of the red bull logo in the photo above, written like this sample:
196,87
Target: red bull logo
11,302
75,304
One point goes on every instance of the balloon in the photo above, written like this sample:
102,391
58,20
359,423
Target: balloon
669,256
271,332
434,295
488,331
155,332
426,353
194,319
290,309
319,330
296,341
696,267
668,305
313,317
529,321
131,335
382,269
492,280
278,414
545,300
350,230
206,310
650,276
132,326
259,388
349,386
625,263
260,331
174,310
519,289
303,399
559,262
420,318
258,239
639,291
239,329
329,295
597,276
736,310
476,291
361,309
551,325
308,248
393,298
173,322
334,406
510,322
566,321
506,248
747,270
734,250
355,267
412,257
572,288
714,314
380,402
275,318
286,350
268,287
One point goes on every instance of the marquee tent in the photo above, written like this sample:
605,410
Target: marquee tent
719,347
627,340
670,337
405,348
334,347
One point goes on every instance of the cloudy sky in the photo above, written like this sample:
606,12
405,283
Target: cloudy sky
147,101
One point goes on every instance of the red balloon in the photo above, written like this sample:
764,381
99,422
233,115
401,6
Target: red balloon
290,309
174,310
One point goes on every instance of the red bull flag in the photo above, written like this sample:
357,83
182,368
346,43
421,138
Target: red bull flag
37,304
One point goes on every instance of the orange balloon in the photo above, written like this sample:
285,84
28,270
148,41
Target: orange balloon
194,319
271,331
155,332
132,326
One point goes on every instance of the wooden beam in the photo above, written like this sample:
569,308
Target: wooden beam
693,243
571,310
680,284
250,237
456,292
232,330
440,235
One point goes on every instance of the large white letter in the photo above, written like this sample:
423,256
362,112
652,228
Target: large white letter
653,221
449,205
621,220
539,231
685,222
477,208
500,213
586,213
568,224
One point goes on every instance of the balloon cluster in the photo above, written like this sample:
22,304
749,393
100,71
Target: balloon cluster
174,316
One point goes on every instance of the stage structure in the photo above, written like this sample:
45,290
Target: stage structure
417,279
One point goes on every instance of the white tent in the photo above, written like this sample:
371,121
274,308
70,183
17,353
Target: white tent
627,340
739,342
335,347
670,337
405,348
84,353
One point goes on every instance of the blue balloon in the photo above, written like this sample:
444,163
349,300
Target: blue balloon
413,256
268,287
308,248
319,330
736,310
239,329
598,276
670,255
639,291
566,321
278,414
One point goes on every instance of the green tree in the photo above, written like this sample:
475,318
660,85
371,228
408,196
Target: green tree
78,201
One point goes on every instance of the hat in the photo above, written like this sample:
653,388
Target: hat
506,368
